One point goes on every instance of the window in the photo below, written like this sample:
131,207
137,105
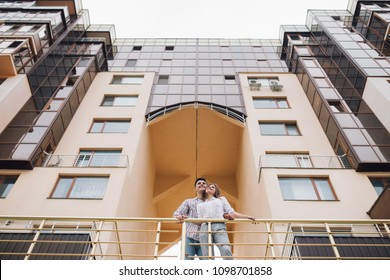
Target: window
127,80
137,48
230,79
99,158
169,48
306,189
163,80
380,184
131,63
336,106
289,129
289,160
6,183
80,187
270,103
119,100
110,127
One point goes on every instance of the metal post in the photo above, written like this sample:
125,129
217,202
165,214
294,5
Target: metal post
334,246
95,242
119,241
34,241
183,241
157,240
270,241
209,240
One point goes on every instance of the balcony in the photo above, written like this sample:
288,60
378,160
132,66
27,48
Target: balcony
158,238
86,160
381,207
303,161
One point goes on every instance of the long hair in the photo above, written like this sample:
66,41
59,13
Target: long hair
217,193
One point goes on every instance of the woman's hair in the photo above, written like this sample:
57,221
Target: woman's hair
217,193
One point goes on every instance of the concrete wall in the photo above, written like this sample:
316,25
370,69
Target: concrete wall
14,93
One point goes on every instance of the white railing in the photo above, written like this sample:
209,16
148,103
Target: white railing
159,238
303,161
86,160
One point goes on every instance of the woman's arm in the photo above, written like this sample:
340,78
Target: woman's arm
231,214
239,215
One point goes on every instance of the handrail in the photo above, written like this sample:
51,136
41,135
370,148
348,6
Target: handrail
232,113
303,161
125,238
85,160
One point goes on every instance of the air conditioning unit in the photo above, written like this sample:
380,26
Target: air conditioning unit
254,84
275,86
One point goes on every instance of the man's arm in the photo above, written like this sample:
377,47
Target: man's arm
181,213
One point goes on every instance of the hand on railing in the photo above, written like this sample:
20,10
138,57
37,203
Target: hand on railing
181,218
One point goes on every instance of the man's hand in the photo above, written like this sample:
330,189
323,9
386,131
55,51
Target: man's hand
228,216
181,217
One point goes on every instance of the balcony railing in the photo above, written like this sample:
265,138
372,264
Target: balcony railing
303,161
150,238
86,160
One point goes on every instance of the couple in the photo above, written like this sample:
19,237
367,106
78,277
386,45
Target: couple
207,204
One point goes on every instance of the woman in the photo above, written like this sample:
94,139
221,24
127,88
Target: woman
214,207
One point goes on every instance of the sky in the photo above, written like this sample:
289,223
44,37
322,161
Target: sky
203,18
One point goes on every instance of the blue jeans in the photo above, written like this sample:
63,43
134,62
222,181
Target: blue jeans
192,250
219,237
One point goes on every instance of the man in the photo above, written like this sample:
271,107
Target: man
188,209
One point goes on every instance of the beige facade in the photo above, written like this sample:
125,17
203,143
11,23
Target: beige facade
14,92
375,94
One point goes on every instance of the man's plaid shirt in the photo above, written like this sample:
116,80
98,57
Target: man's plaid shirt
189,208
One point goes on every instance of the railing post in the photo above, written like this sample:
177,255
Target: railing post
96,241
157,240
270,242
334,246
34,241
209,241
119,241
183,240
387,229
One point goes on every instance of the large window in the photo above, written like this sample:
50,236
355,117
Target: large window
6,183
119,100
380,184
288,160
270,103
274,128
80,187
127,80
110,127
306,189
98,158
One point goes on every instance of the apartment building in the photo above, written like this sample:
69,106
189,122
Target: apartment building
101,138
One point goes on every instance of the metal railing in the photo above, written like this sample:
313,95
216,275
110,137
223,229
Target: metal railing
234,114
303,161
86,160
159,238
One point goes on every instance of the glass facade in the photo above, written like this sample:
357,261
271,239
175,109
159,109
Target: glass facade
332,56
333,60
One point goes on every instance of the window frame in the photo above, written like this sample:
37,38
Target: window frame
271,98
314,186
383,181
72,185
301,160
114,96
118,80
104,125
285,126
4,193
85,157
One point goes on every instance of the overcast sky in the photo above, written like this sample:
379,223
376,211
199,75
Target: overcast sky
203,18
